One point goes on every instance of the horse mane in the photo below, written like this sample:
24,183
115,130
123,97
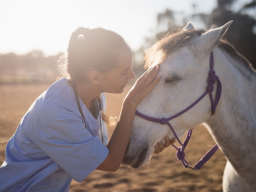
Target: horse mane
228,48
174,41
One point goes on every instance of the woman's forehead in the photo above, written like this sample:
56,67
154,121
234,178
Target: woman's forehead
125,59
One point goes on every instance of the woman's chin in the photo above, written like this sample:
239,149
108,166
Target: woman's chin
117,91
121,90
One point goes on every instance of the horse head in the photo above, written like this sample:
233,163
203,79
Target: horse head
184,58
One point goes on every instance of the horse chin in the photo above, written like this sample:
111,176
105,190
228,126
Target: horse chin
142,158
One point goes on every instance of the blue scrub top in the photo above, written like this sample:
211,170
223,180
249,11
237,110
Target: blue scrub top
51,144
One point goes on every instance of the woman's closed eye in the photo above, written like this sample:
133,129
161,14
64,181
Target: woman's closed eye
125,73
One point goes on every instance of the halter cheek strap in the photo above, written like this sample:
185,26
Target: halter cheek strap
180,154
212,78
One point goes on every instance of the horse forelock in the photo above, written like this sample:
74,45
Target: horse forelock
169,44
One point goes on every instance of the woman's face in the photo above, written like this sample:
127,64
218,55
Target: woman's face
116,79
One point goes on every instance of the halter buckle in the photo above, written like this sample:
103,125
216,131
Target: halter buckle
193,168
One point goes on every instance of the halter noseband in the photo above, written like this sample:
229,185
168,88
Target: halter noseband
180,154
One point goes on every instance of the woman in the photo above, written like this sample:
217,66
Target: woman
62,135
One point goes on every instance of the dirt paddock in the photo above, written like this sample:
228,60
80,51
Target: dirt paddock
164,172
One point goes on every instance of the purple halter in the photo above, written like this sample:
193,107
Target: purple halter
180,154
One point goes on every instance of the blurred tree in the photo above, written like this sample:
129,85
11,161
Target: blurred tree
242,33
165,24
31,67
250,5
166,21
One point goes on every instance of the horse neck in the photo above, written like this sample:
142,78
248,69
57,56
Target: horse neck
233,125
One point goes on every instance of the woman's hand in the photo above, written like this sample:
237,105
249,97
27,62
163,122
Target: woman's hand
120,138
143,86
160,146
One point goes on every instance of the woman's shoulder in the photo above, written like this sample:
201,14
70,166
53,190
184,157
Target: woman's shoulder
58,95
56,89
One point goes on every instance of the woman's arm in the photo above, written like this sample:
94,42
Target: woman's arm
121,136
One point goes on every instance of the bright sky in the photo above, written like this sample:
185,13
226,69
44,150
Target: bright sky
47,24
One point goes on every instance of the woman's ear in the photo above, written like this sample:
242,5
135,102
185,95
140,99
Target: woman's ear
94,77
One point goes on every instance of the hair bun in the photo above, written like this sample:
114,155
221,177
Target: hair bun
80,37
81,30
78,34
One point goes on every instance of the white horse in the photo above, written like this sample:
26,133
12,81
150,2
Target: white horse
184,58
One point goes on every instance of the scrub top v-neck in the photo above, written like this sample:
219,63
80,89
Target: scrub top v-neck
51,144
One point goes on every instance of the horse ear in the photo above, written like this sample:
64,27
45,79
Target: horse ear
188,27
209,40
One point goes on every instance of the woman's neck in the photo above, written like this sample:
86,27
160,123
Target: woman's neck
86,91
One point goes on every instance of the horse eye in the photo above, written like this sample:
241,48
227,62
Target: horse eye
172,80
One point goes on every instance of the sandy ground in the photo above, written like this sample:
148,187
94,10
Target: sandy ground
164,172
